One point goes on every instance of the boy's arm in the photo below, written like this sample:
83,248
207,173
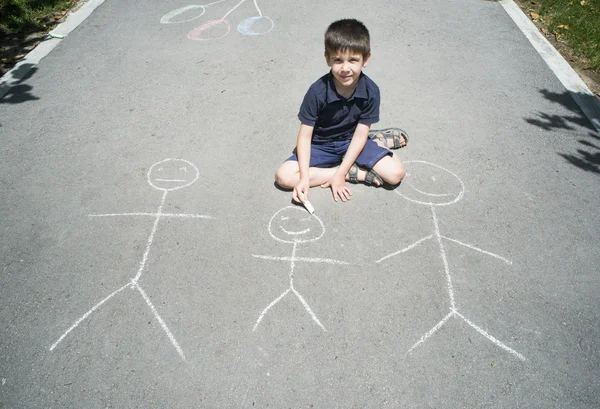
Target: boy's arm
338,180
300,192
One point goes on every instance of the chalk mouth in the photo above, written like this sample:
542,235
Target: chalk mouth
294,233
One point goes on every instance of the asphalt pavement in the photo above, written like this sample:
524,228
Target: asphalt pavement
148,260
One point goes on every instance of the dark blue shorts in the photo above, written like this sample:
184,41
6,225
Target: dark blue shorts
331,154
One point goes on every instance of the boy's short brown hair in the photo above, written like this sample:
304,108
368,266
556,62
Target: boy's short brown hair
347,35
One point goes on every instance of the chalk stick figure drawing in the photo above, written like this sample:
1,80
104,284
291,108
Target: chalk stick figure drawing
215,29
167,175
430,177
292,225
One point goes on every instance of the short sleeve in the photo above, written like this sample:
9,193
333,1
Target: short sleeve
370,112
309,110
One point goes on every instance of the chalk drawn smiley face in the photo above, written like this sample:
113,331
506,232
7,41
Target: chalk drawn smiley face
430,184
293,225
172,174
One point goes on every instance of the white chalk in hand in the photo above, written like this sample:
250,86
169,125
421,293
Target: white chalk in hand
307,205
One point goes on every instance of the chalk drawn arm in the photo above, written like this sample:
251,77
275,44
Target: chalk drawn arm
184,215
470,246
415,244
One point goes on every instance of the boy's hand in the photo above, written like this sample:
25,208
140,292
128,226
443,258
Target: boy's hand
338,187
300,192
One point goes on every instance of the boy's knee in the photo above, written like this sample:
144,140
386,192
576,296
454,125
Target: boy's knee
397,175
284,179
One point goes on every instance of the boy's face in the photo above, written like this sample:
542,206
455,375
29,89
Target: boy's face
346,67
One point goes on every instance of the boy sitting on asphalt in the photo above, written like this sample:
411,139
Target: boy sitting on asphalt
335,143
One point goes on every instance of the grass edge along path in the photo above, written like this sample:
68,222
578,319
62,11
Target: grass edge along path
24,23
573,28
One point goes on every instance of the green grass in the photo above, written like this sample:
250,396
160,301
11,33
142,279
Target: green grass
25,16
576,22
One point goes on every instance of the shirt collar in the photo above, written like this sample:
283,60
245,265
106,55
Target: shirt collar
359,92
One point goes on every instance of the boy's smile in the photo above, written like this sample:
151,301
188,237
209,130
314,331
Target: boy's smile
346,67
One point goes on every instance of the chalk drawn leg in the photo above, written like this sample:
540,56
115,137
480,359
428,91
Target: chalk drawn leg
262,314
87,314
415,244
477,249
432,331
161,321
491,338
478,329
307,307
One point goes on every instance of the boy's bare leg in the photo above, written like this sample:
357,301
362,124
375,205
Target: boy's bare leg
288,175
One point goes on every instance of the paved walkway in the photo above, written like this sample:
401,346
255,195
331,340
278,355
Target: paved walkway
148,260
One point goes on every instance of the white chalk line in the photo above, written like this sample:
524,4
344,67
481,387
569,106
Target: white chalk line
444,259
257,9
307,307
305,259
151,238
183,215
478,249
491,338
171,180
215,2
430,194
431,331
94,308
160,320
230,11
269,307
415,244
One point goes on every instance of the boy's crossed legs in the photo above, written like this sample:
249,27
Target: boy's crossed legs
325,160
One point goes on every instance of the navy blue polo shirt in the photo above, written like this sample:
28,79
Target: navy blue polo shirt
335,117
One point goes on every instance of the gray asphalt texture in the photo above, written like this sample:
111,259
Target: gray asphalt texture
123,92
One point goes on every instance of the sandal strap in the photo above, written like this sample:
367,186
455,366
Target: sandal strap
373,176
353,173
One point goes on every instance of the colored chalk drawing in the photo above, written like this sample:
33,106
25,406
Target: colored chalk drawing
215,29
167,175
292,225
430,195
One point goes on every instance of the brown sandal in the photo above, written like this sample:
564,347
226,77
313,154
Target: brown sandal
390,134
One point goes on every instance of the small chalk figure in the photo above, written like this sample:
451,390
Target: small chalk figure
166,175
430,178
290,225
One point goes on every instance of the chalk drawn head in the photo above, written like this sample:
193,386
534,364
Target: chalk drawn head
183,14
293,225
211,30
172,174
257,25
430,184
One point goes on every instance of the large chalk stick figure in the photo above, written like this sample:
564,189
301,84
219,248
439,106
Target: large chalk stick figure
167,175
292,225
424,190
215,29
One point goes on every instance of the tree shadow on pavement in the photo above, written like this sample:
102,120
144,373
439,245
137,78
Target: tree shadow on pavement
586,159
587,156
20,93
